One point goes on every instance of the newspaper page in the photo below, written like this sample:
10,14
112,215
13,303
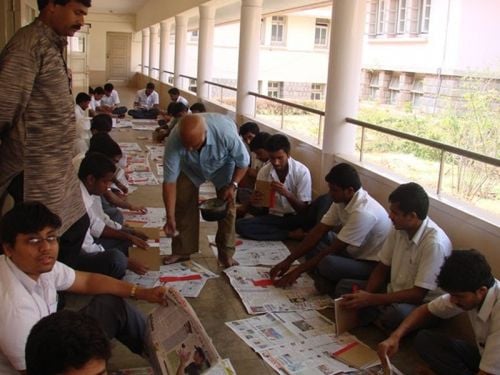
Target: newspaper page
176,340
153,218
142,178
256,253
259,295
129,147
224,367
188,277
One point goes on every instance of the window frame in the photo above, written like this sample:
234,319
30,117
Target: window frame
277,23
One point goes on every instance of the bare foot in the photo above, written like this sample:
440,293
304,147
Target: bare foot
297,234
170,259
227,261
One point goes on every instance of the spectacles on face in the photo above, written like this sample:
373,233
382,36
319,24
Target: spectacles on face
37,241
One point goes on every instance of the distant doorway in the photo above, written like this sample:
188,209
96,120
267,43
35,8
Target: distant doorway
77,59
118,57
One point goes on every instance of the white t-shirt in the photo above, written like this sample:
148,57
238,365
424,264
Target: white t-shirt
365,225
111,100
416,261
485,323
147,101
182,100
297,181
94,104
24,302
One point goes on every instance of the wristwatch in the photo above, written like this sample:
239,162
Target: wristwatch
234,184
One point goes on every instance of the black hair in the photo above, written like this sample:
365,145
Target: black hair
259,141
25,218
465,271
99,90
91,90
249,127
411,197
150,85
43,3
101,123
198,108
104,144
201,352
344,176
174,91
278,142
109,87
97,165
178,108
65,340
82,97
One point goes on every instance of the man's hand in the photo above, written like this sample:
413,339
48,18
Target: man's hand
139,209
228,193
153,295
359,300
139,242
137,267
280,188
387,348
280,269
257,198
170,228
289,278
138,233
122,187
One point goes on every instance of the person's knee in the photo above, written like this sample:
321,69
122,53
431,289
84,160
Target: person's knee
241,226
117,263
423,341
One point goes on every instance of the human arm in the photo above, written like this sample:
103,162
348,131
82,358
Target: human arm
297,204
124,235
169,190
228,194
118,202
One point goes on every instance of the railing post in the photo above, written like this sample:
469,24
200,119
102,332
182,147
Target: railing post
282,116
362,143
441,172
320,130
221,89
255,107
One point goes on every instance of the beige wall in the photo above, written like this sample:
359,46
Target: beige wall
155,11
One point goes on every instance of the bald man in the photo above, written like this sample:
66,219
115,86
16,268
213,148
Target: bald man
202,147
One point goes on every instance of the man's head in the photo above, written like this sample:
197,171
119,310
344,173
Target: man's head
96,172
278,148
102,123
466,276
343,182
98,93
108,89
28,235
83,100
104,144
248,131
150,87
198,108
258,146
199,355
174,94
179,110
65,17
408,206
193,131
67,343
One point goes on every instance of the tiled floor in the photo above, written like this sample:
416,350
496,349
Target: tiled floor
218,303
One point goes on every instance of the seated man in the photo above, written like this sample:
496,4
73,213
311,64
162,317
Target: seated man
95,103
82,124
179,110
198,108
30,278
175,96
353,231
82,101
110,101
410,259
466,277
67,343
146,103
290,189
102,123
248,131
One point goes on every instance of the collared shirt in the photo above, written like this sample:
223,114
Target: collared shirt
37,121
297,181
415,261
24,302
222,152
485,323
112,100
98,218
182,100
365,225
147,101
94,104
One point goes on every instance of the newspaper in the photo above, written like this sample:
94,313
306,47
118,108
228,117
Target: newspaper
224,367
137,167
142,178
259,295
128,147
146,127
176,341
153,218
256,253
188,277
156,152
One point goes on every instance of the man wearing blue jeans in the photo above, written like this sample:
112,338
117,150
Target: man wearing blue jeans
466,277
360,224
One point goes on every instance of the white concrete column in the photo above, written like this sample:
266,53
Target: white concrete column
145,51
164,42
154,50
180,49
248,59
344,74
205,49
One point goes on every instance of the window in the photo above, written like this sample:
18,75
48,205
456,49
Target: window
321,32
317,91
380,17
374,85
193,36
278,30
425,15
262,31
394,89
417,91
275,89
401,21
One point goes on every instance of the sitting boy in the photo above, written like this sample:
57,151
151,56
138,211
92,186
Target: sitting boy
110,101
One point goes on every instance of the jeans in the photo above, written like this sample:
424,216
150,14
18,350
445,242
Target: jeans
144,113
268,227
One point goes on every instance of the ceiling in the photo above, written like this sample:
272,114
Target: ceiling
117,6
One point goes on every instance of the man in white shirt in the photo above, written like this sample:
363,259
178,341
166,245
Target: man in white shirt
146,103
466,277
175,96
95,103
111,101
30,278
410,259
291,189
82,101
347,240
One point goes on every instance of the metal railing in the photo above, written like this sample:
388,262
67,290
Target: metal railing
190,79
222,88
442,147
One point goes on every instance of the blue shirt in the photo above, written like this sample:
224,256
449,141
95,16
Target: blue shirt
223,151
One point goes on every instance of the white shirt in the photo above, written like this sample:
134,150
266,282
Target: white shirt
297,181
80,113
98,219
89,246
416,261
24,302
147,101
485,323
365,225
182,100
111,100
94,104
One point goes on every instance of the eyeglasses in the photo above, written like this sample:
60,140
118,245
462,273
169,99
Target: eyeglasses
37,241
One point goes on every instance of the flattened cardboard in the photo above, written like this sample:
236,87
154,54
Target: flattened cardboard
358,355
152,233
150,257
345,319
264,187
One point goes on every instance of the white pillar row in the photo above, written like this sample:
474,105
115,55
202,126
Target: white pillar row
164,42
205,49
344,74
180,49
145,51
248,59
154,50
